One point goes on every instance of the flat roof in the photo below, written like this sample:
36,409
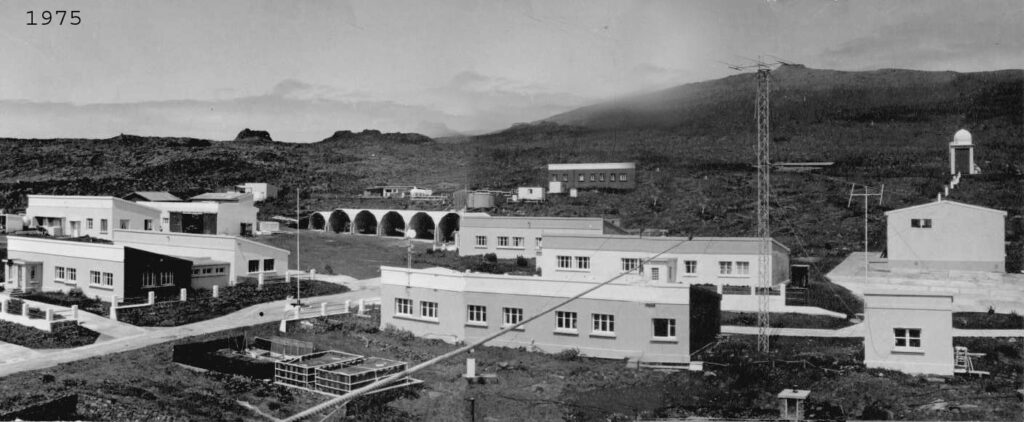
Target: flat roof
558,223
591,166
659,244
155,196
219,196
202,261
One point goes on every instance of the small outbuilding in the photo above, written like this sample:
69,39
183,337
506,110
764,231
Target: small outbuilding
791,404
909,332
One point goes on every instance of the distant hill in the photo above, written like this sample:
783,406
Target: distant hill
248,135
803,95
372,136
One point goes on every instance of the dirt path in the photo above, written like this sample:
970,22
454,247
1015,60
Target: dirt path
21,360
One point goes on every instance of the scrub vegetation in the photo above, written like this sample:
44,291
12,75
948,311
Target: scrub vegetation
38,339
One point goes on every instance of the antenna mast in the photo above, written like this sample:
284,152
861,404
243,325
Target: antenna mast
865,192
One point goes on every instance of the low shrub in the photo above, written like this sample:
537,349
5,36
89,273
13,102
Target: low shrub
21,335
987,320
786,320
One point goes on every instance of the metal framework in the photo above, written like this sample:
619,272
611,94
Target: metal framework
764,234
865,192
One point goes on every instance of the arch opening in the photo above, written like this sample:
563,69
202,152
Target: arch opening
392,224
339,222
423,224
317,222
448,225
365,223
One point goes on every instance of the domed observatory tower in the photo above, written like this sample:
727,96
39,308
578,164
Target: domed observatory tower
961,154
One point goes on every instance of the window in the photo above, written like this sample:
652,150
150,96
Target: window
58,273
655,273
583,262
565,177
582,178
601,176
428,310
518,242
125,224
254,265
921,223
511,316
690,267
502,241
88,223
565,320
147,225
268,264
538,240
207,270
593,177
664,328
477,314
94,278
403,307
481,241
103,225
725,267
743,267
564,262
166,222
630,264
604,323
195,271
220,270
108,279
148,280
72,274
167,279
622,177
907,338
612,177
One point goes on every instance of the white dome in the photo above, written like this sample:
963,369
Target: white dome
962,137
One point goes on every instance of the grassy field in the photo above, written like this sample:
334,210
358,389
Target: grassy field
737,383
351,255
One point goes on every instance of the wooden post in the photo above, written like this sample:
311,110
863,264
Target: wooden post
3,305
323,308
24,310
259,281
152,298
216,290
184,294
74,312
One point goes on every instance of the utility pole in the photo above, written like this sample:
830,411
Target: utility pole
298,254
866,191
762,108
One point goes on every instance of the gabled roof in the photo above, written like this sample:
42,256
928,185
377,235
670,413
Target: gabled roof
947,204
153,196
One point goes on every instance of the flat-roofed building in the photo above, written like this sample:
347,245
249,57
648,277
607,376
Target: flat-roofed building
95,216
910,332
98,269
509,237
245,258
946,235
564,177
224,213
259,191
647,322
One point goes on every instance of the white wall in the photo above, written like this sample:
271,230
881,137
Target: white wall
83,257
960,238
235,250
931,314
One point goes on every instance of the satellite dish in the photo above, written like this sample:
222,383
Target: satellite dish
411,234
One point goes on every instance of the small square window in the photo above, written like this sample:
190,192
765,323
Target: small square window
502,241
511,316
403,306
254,265
565,320
664,328
690,267
268,265
428,310
476,313
481,241
725,267
743,267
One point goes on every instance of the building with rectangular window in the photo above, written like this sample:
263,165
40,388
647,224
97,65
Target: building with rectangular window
94,216
642,321
909,332
509,237
98,269
260,191
564,177
243,257
226,213
946,235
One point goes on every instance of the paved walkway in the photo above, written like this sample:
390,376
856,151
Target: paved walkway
19,360
857,331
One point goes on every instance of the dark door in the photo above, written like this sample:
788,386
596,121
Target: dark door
963,161
176,226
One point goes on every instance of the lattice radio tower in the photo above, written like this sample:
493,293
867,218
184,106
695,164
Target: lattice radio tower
764,233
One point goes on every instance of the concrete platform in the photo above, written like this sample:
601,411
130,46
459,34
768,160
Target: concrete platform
972,291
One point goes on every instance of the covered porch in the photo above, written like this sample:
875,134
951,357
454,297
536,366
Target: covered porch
23,275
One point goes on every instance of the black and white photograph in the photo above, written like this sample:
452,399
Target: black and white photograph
512,210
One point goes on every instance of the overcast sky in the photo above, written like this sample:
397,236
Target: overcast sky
302,70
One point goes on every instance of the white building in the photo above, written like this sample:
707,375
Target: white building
946,235
909,332
230,214
647,322
510,237
530,193
961,154
260,191
94,216
246,257
10,223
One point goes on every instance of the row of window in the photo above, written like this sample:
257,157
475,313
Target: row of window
565,262
579,263
565,321
209,270
516,242
97,278
254,265
594,177
70,275
147,224
157,279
